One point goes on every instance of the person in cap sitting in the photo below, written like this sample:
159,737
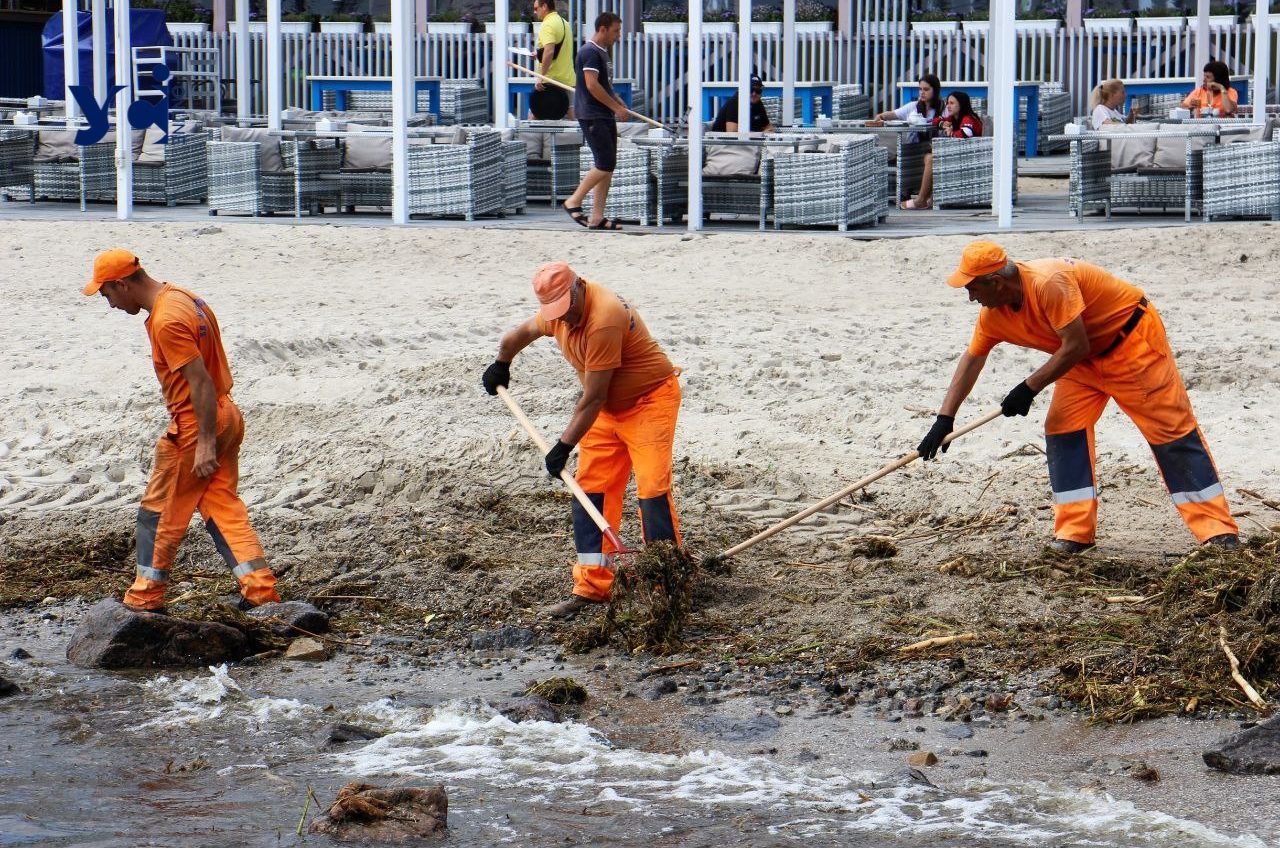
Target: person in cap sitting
624,421
1105,342
727,118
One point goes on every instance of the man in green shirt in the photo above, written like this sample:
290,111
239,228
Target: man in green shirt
555,48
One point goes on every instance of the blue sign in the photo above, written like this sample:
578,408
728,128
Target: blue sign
140,115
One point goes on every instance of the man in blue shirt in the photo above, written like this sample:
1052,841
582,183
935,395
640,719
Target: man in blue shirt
598,110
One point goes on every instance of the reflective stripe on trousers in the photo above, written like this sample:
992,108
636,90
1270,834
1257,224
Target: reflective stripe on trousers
1143,379
638,439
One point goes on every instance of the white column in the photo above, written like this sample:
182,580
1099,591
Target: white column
744,67
1004,115
589,25
275,69
402,102
1202,39
694,75
70,57
501,39
124,147
1261,59
788,62
100,50
244,73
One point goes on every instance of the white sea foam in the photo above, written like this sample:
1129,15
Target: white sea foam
464,742
209,698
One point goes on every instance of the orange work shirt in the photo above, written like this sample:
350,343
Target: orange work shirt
1054,293
183,328
611,336
1209,99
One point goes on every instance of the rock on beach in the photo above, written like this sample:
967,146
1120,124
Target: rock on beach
112,636
1252,751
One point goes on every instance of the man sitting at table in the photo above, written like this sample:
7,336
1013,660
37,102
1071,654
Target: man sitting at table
1215,98
727,118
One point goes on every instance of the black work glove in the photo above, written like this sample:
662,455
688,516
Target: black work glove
556,458
942,426
1018,401
497,374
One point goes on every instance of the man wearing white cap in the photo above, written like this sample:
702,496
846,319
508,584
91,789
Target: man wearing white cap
625,419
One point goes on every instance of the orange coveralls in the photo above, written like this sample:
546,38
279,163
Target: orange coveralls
1129,361
182,328
634,431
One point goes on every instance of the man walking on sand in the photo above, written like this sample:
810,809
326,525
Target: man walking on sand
598,110
197,458
625,419
1106,341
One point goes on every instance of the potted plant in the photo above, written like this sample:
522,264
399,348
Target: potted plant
720,21
518,18
1222,15
180,16
1107,16
933,19
664,19
291,24
1160,15
766,20
450,21
1045,16
814,16
342,23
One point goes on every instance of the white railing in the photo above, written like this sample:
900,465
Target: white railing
878,60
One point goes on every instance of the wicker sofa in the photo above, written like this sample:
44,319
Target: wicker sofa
457,179
1242,181
17,165
552,161
646,186
252,172
846,185
962,169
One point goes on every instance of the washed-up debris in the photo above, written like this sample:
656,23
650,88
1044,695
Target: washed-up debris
369,813
652,599
65,568
558,690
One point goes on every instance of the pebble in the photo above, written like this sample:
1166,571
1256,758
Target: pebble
958,731
19,654
306,649
782,709
923,758
665,686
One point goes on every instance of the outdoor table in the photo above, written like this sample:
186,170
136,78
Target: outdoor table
784,140
810,94
1191,131
1177,85
341,85
522,88
1024,89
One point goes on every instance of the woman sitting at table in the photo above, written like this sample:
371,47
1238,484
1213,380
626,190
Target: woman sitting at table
958,120
727,118
1215,98
928,106
1105,103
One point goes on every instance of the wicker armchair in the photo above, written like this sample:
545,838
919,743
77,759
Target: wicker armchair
554,172
908,168
844,187
741,193
628,198
848,103
962,172
17,164
1242,181
182,176
239,184
514,177
90,176
457,179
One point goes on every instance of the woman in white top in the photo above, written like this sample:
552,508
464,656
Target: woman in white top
928,106
1106,100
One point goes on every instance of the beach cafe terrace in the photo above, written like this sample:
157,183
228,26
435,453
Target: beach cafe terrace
421,123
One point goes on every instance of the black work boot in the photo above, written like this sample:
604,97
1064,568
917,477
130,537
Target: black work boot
1068,546
570,607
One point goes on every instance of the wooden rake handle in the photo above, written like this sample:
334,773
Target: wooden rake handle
577,491
522,69
853,487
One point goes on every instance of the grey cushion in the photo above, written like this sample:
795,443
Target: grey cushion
1131,154
731,160
268,146
57,145
152,149
366,151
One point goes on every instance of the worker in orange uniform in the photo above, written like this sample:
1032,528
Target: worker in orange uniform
197,458
625,419
1105,341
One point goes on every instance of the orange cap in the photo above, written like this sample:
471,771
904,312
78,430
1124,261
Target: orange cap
109,266
978,258
551,283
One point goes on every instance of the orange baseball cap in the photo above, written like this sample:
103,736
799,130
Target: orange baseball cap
109,266
978,258
551,283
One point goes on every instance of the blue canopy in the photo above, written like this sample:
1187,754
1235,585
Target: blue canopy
148,27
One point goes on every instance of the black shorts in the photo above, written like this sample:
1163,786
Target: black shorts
601,135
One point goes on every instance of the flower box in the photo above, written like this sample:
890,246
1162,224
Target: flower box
187,27
1274,19
347,27
1108,24
883,27
1038,25
928,27
719,27
286,27
1161,22
512,26
767,27
382,27
803,27
665,28
976,26
1219,20
449,27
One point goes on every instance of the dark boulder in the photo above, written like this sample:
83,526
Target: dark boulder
342,732
528,708
1252,751
8,687
113,636
502,638
293,618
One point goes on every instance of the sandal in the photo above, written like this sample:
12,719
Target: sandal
605,224
575,212
913,204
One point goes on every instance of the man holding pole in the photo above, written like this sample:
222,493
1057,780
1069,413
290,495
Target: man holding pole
598,110
1106,341
625,418
555,61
